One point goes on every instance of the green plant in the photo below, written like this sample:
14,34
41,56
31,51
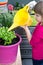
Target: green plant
6,35
18,6
6,19
34,23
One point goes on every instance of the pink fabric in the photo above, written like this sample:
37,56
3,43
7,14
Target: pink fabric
10,7
37,43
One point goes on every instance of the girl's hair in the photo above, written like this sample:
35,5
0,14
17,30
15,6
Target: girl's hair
38,8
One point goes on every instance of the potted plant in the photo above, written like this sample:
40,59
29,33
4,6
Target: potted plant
9,42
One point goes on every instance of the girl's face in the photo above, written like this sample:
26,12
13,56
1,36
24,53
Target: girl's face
38,17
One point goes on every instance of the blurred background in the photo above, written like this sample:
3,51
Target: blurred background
20,1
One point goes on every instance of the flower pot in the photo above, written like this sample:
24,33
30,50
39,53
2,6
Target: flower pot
8,54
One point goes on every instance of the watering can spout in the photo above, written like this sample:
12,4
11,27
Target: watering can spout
12,27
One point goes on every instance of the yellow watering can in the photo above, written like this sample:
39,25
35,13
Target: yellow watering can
21,18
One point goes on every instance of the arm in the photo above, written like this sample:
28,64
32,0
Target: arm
27,32
29,37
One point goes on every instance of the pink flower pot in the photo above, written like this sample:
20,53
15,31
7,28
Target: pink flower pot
8,54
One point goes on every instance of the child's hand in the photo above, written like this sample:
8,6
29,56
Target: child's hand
24,27
28,33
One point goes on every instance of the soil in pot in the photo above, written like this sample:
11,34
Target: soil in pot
14,41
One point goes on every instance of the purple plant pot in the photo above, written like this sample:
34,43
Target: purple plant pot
8,54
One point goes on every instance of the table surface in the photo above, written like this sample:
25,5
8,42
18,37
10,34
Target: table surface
18,60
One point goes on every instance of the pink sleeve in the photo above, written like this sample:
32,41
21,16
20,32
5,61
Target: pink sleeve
34,42
41,35
35,39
